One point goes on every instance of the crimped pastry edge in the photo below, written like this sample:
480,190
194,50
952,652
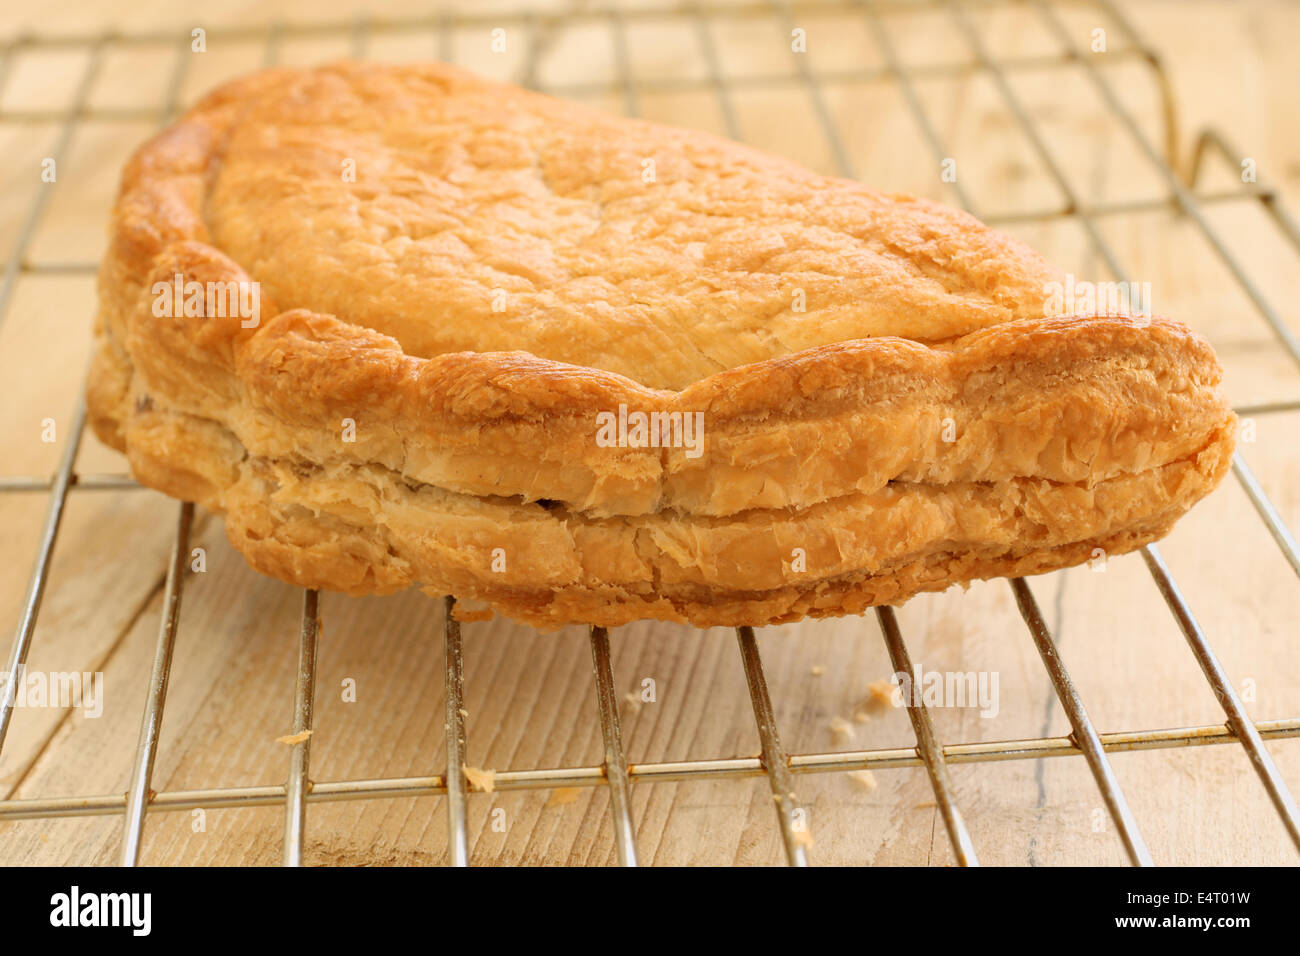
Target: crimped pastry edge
1066,398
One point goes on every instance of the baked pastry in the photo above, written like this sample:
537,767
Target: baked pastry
480,307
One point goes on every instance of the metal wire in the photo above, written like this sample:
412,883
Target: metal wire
730,768
1238,720
716,78
615,766
1111,796
1276,527
81,482
1277,790
454,691
1084,732
774,763
295,802
138,790
1085,735
43,195
1182,195
1105,778
618,34
927,742
817,96
907,86
40,572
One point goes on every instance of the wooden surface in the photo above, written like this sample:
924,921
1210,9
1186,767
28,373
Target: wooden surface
530,697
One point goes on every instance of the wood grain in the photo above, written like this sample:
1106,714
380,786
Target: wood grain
530,697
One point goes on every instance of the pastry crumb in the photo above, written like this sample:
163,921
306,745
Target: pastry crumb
818,670
841,731
882,694
864,779
804,838
563,796
480,779
293,739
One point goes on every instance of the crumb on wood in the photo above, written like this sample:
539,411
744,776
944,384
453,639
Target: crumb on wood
882,694
864,779
563,796
841,731
818,670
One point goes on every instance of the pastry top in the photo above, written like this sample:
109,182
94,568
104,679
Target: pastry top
460,215
472,274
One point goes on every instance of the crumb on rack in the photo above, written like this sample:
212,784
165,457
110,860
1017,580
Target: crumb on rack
293,739
480,779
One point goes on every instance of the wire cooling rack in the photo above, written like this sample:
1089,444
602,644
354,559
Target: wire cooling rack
299,791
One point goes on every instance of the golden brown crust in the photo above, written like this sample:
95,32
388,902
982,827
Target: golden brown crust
920,424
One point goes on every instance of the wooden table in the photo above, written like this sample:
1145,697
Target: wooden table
530,697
